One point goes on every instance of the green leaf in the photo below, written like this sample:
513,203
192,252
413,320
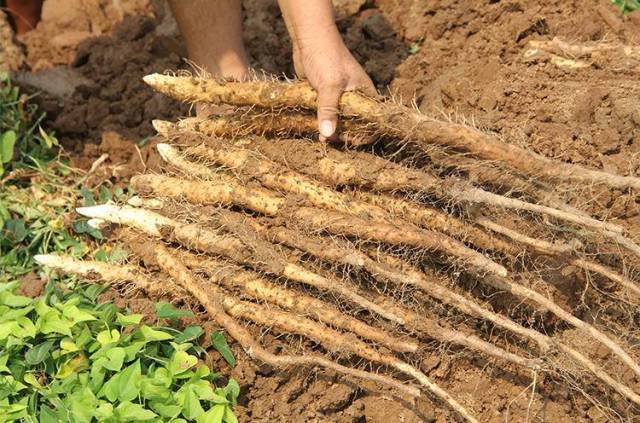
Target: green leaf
219,342
7,142
12,300
153,334
30,379
203,390
107,337
214,415
129,412
67,345
49,140
48,415
82,404
8,328
84,337
190,333
133,349
53,322
129,319
15,230
87,195
181,362
233,391
229,417
129,384
104,411
77,315
105,194
110,390
192,409
168,311
83,227
115,358
73,366
154,389
39,353
165,410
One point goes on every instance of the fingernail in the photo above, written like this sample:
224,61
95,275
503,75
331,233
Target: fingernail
327,128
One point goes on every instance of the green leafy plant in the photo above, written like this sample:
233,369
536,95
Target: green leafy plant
33,220
65,357
22,140
627,6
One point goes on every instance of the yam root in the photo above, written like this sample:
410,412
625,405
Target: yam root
234,277
248,250
294,324
339,223
530,295
391,118
213,305
346,171
283,124
398,234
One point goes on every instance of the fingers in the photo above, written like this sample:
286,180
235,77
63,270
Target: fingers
363,84
328,100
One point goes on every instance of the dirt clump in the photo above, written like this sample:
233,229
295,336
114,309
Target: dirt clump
11,55
472,64
115,99
67,23
31,285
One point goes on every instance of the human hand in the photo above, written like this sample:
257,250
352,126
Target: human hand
331,69
320,55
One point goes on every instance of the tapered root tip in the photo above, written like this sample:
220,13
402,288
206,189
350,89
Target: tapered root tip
98,212
162,127
165,151
45,259
153,79
97,223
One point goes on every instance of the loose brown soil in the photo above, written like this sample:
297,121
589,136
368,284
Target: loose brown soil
463,59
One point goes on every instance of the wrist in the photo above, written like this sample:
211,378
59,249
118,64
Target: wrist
317,37
310,22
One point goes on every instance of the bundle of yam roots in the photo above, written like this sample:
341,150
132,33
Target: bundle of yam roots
415,232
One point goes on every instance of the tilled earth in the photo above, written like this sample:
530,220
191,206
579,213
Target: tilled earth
464,60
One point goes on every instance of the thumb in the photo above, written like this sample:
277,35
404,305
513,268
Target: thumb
328,101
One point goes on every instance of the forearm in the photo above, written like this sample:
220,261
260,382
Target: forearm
310,22
212,31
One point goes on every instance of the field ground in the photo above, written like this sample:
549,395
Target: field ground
470,61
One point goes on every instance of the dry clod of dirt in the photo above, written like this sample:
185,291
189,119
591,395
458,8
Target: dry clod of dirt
11,55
